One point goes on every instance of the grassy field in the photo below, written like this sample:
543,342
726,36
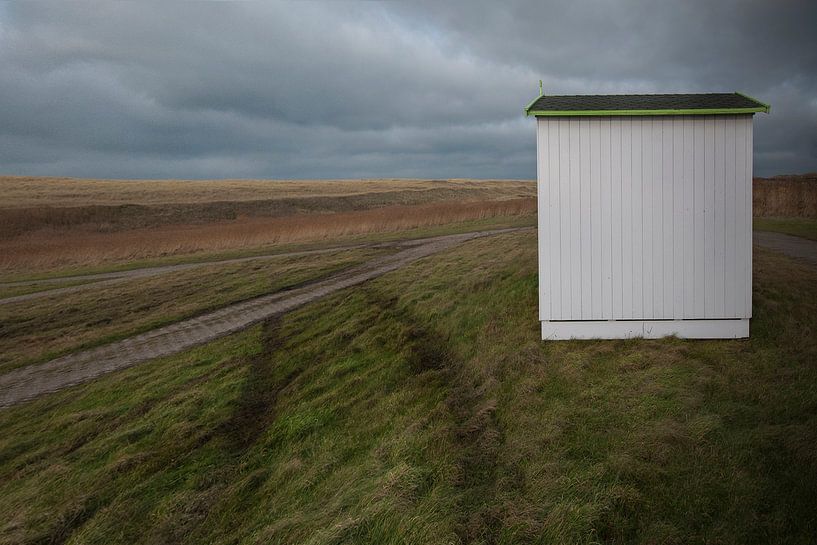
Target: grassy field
14,289
423,408
50,226
34,192
799,227
43,328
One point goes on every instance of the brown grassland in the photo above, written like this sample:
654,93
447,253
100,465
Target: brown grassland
25,191
51,223
48,248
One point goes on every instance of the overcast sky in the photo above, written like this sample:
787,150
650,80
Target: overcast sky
339,90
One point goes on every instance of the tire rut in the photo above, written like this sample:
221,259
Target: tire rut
471,400
256,407
256,404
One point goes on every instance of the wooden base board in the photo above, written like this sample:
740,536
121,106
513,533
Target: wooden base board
648,329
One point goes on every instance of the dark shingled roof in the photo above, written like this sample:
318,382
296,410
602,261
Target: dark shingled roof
675,104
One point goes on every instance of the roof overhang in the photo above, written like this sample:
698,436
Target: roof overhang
760,108
714,111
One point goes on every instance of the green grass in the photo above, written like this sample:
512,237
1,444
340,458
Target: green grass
23,289
423,408
799,227
39,329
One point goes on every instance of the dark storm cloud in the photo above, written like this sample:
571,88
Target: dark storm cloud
348,90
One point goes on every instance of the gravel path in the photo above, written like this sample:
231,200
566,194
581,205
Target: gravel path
796,247
29,382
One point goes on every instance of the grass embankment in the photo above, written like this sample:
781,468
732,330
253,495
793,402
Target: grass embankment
798,227
423,408
42,328
13,289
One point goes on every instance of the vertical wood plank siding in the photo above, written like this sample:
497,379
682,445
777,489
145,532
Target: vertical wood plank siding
644,218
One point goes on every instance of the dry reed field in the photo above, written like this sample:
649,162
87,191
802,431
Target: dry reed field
790,196
25,191
55,223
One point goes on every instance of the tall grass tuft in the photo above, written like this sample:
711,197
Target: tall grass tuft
785,196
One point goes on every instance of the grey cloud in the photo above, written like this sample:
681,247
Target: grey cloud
347,90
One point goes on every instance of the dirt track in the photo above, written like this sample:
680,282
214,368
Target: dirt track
796,247
29,382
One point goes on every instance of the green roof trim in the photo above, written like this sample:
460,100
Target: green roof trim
530,104
709,111
767,106
657,104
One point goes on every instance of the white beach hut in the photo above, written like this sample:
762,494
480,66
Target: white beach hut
645,215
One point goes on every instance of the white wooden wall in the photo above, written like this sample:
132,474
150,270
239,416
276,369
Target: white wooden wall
645,218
